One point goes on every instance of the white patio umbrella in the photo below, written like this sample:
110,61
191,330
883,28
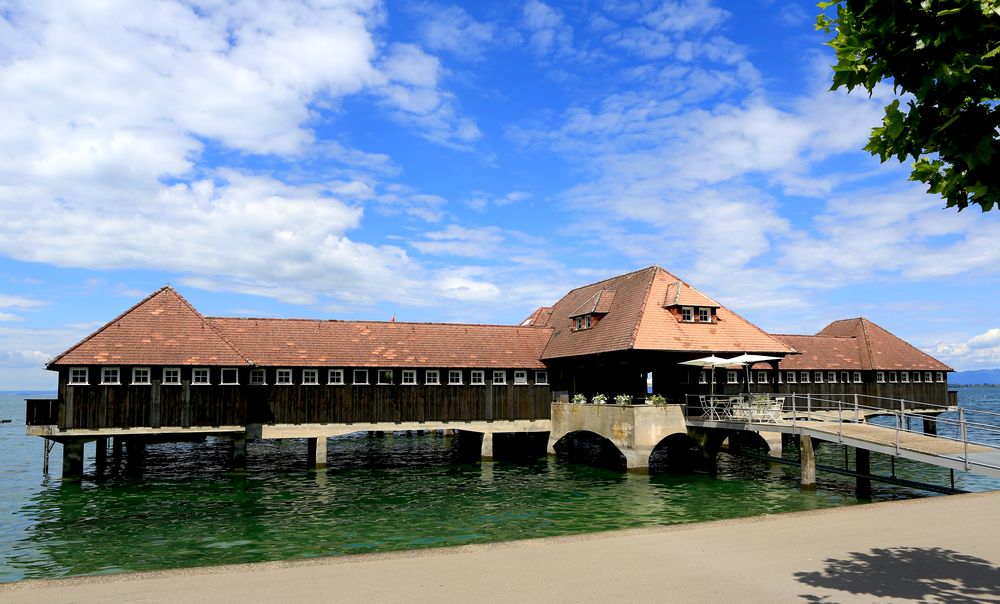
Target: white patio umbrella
709,361
748,360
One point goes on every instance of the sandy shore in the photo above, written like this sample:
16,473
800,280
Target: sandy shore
943,549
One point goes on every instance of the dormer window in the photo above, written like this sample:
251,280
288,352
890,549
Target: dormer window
584,322
587,322
579,323
705,315
687,314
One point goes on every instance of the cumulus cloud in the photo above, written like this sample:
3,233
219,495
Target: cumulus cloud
978,352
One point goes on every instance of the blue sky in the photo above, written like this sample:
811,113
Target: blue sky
446,162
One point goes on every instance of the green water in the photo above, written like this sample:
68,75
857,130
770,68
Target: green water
378,494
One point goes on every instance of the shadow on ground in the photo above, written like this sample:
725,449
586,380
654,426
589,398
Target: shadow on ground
908,573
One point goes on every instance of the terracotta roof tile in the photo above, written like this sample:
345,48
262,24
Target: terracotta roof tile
598,304
821,352
539,318
681,294
162,329
882,350
304,342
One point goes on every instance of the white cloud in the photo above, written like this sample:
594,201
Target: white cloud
8,301
549,33
979,352
452,29
456,240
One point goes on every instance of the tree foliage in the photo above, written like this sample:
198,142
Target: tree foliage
943,59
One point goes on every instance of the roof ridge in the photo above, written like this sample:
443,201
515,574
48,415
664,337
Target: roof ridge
304,320
653,266
107,325
642,309
751,324
214,329
812,335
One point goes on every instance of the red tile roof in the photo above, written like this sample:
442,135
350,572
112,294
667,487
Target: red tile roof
680,294
598,304
539,318
637,319
304,342
162,329
820,352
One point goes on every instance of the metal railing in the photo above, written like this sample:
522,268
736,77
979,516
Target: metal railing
983,425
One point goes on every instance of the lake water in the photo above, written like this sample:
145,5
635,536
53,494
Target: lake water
378,494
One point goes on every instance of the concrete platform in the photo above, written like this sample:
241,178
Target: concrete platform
939,549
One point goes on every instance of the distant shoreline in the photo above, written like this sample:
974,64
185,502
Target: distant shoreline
31,392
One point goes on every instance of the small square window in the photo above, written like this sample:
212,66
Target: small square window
110,376
454,376
229,376
731,377
761,377
916,377
310,377
520,377
410,377
892,377
880,377
432,377
258,377
940,376
140,376
385,377
478,377
283,377
360,377
335,377
818,377
904,377
171,376
927,377
579,323
499,377
803,377
845,378
831,377
789,377
78,376
705,315
857,377
703,377
588,321
200,376
687,314
541,378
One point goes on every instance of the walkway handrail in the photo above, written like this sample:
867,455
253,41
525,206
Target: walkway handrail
821,409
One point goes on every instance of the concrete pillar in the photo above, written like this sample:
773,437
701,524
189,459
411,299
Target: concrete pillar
238,455
487,450
637,460
930,425
101,456
317,452
862,466
774,442
72,460
808,463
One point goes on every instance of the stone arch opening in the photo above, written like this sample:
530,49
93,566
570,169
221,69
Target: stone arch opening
678,454
745,441
583,446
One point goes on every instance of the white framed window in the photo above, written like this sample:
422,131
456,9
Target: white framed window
171,376
258,377
904,377
845,378
454,377
432,377
310,377
916,377
761,377
940,376
880,377
790,377
892,377
111,376
857,377
477,377
229,376
831,377
579,323
385,377
703,377
499,377
520,377
409,377
335,377
803,377
541,378
731,377
140,376
78,376
705,315
283,377
200,376
818,377
687,314
360,377
588,322
927,377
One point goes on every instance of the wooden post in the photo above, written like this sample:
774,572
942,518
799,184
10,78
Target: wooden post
808,457
72,461
46,449
487,448
101,457
862,466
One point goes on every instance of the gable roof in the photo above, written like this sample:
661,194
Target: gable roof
162,329
880,349
637,319
305,342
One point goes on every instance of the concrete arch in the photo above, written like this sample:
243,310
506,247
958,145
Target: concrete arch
634,429
679,453
589,447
